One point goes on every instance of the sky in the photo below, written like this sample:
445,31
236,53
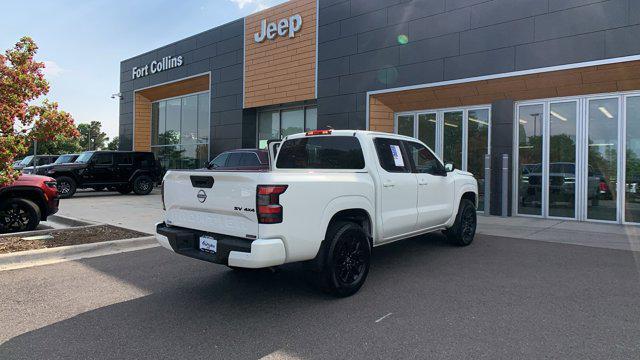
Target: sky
83,42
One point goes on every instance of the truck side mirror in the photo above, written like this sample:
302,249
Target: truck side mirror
449,167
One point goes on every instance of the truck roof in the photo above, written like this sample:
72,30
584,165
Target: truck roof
352,133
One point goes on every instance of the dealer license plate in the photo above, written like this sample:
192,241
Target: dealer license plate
208,244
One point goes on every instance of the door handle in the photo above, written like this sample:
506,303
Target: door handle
423,182
389,183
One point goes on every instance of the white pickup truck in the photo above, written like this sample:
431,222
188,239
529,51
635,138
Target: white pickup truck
329,197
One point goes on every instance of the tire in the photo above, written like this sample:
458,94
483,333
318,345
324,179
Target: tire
142,185
464,228
18,214
346,261
124,189
66,187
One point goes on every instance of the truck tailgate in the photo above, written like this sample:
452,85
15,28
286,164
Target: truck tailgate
216,202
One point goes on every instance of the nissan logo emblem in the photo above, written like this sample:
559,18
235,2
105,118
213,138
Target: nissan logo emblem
202,196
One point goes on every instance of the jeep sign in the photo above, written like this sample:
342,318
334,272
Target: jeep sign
282,28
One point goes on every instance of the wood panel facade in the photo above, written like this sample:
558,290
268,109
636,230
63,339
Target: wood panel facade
563,83
283,69
144,98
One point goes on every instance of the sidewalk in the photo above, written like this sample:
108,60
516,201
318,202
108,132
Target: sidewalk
130,211
611,236
143,212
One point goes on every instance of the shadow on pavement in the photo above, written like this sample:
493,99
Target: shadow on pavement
498,297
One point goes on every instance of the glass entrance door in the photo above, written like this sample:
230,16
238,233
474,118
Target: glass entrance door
632,160
459,135
571,166
561,174
602,159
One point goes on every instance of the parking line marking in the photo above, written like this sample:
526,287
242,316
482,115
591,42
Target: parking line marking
384,317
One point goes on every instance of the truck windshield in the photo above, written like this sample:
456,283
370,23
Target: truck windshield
26,161
321,152
84,157
63,159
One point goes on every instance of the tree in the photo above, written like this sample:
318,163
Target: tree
114,143
21,82
91,136
58,147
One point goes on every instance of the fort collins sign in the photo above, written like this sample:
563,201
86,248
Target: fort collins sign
283,27
167,62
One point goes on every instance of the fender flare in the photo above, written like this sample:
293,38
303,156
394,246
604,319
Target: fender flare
139,172
465,188
346,203
331,209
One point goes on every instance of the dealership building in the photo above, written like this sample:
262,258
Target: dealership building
547,91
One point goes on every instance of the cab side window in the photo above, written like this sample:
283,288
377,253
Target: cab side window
103,159
391,155
124,159
423,160
234,160
249,159
219,161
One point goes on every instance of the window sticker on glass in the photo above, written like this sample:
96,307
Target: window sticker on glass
397,156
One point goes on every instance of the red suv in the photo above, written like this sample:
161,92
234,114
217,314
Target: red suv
26,202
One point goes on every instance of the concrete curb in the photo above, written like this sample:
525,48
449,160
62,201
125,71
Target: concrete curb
63,220
69,221
29,258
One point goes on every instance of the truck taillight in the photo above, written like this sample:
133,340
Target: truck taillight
268,205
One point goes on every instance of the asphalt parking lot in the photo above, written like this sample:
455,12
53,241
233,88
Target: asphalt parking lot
498,298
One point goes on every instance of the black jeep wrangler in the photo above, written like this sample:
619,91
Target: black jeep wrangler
123,171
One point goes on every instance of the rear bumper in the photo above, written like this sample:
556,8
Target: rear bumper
232,251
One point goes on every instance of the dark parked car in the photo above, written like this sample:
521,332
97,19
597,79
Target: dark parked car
66,158
241,159
37,160
42,170
26,202
125,171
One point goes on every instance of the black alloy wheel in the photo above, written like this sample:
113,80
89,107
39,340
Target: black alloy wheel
349,261
469,222
464,228
142,185
346,259
18,215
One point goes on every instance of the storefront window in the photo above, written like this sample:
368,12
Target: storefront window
275,124
180,131
632,193
405,125
530,122
562,159
452,144
478,146
443,130
292,122
427,129
602,159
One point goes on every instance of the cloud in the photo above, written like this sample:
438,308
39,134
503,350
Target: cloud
241,3
261,6
258,5
52,69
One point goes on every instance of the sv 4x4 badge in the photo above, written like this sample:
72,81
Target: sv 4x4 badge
239,208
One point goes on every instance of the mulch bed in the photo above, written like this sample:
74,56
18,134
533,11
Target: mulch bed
70,236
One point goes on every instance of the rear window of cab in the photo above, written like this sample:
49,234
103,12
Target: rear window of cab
321,152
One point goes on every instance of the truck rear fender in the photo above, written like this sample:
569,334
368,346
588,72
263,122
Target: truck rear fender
347,203
349,208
